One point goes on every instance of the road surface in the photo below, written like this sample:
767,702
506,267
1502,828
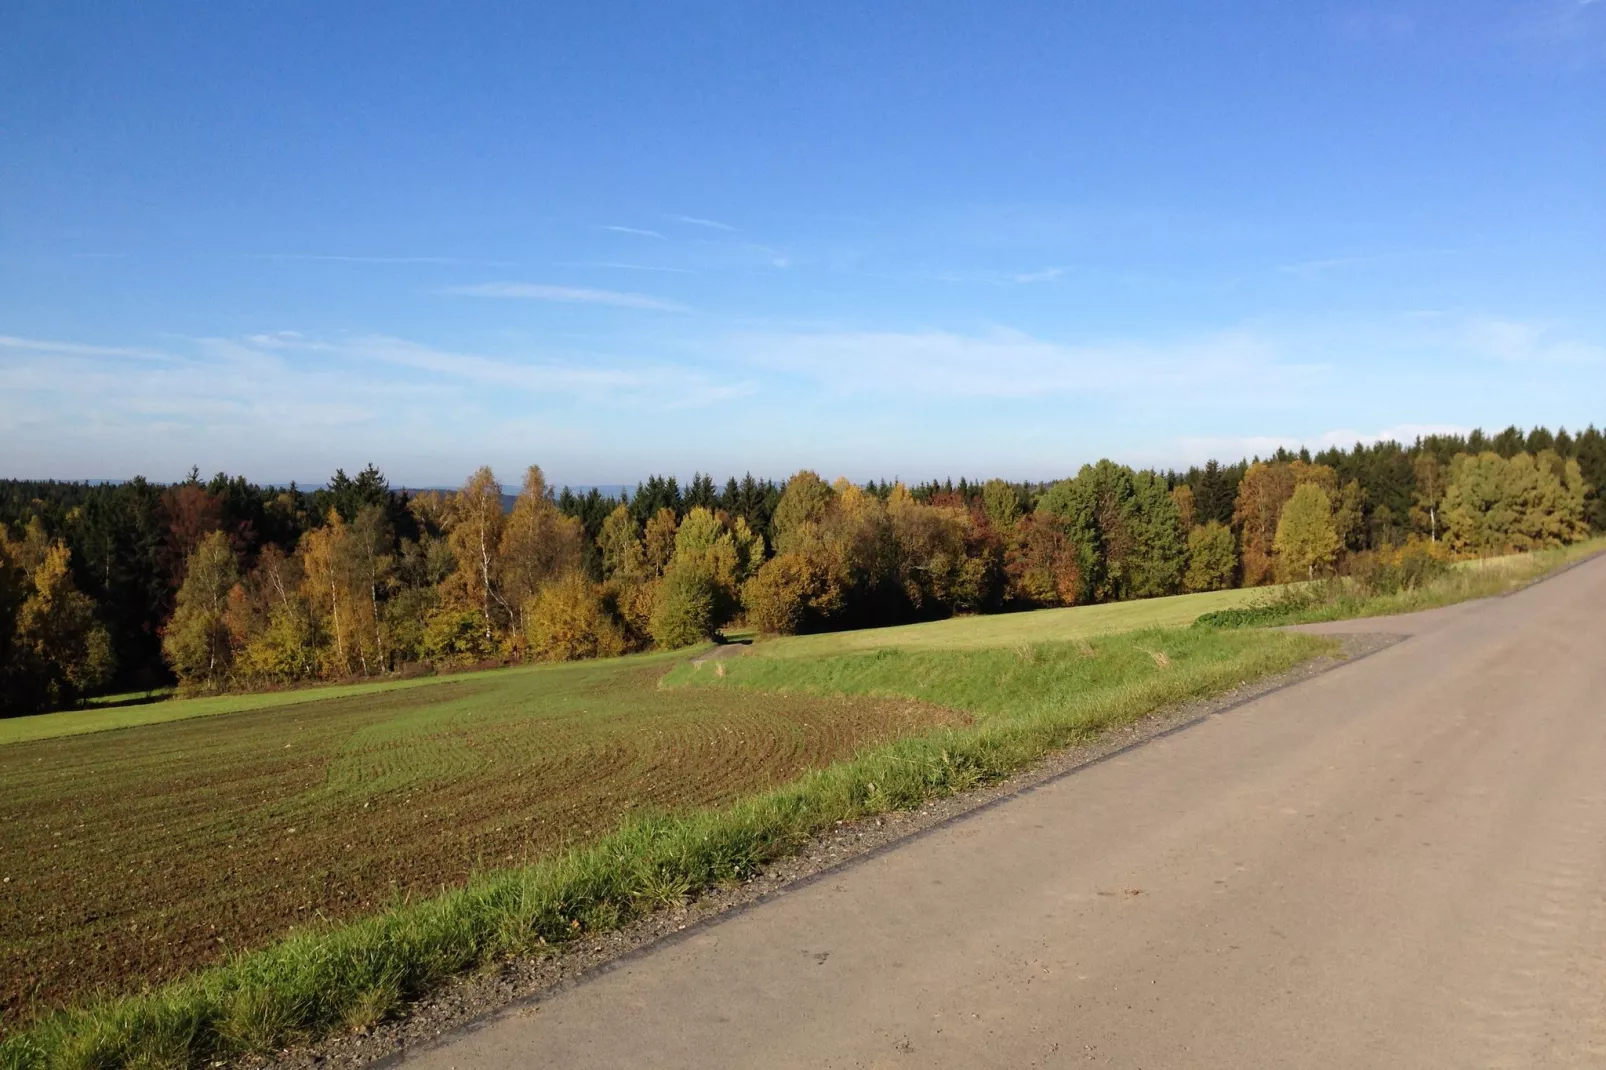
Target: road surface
1400,863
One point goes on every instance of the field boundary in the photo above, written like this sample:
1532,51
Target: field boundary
477,1002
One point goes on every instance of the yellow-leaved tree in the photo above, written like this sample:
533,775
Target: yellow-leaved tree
1307,542
539,545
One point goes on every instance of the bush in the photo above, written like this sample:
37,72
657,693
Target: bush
1288,606
1407,568
457,637
685,611
568,621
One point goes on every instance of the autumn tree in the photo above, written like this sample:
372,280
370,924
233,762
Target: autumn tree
568,619
1042,561
1182,499
686,609
802,506
196,640
623,554
475,526
1262,493
1126,527
538,545
1212,557
931,564
1002,506
58,636
659,541
1306,541
192,514
270,624
337,585
791,593
1428,497
1494,505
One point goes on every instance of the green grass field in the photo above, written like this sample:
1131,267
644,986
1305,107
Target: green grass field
1016,629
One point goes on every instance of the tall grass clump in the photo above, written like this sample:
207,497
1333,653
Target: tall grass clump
1024,702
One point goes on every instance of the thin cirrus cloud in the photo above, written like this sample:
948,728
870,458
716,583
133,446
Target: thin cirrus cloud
1514,342
621,265
344,259
1198,449
637,231
571,295
274,399
1007,364
698,221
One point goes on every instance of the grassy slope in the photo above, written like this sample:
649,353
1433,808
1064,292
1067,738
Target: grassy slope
1016,629
1024,703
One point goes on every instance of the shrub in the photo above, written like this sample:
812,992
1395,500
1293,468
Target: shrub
457,637
568,621
1407,568
685,611
1289,605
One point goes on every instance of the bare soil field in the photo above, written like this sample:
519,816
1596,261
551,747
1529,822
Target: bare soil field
131,856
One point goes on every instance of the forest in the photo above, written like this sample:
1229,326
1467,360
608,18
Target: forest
224,584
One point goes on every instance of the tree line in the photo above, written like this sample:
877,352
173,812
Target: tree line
224,583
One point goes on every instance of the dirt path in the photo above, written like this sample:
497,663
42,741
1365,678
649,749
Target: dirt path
1399,863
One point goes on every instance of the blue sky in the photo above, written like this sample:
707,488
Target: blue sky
878,240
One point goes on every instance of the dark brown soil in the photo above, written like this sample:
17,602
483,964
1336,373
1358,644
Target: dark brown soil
130,857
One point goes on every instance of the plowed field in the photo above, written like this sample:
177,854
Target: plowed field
131,856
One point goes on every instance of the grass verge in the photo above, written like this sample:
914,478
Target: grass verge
1026,702
1344,599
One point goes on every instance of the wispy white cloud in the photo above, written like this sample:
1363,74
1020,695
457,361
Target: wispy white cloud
36,345
1045,275
574,295
273,401
634,230
625,266
1229,448
1310,269
1011,364
1528,343
696,221
341,259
